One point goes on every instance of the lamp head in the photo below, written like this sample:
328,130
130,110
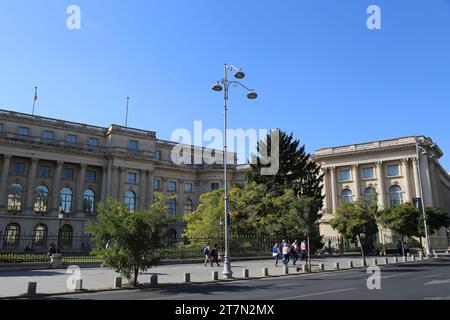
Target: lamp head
239,75
217,87
252,95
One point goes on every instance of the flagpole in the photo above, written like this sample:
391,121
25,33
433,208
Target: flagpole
34,100
126,116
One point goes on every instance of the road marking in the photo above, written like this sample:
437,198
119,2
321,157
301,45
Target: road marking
428,276
175,297
317,294
437,282
396,275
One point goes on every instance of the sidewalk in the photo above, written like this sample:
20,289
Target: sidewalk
14,283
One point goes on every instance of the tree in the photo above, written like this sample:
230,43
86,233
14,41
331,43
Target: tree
353,220
133,237
436,219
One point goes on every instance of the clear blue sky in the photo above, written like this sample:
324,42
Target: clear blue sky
318,69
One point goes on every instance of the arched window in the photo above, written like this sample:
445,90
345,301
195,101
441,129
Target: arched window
15,196
89,201
41,202
12,234
130,201
346,196
65,236
188,206
66,196
370,196
395,193
172,207
40,235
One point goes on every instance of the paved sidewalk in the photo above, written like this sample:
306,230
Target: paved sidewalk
14,283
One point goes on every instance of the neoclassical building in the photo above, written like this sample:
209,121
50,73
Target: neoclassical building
387,172
50,166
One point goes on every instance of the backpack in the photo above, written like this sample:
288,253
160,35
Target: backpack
206,250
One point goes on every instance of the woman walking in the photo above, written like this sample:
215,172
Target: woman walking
276,253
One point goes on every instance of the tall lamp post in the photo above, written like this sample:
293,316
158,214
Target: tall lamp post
224,85
60,218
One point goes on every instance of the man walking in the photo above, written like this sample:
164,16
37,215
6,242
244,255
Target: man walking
215,255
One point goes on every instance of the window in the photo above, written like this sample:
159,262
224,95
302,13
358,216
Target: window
370,196
48,135
68,173
71,138
368,173
131,177
93,142
66,196
188,187
89,201
15,196
215,186
172,207
346,196
18,169
133,145
393,170
65,236
1,128
344,175
23,131
172,186
130,201
41,202
40,235
156,184
188,206
44,171
395,193
158,154
91,176
12,234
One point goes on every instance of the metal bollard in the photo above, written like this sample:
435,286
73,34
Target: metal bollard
187,277
78,284
386,260
305,268
336,266
32,286
321,267
350,264
265,272
375,262
285,269
396,260
215,275
363,263
117,282
245,273
154,279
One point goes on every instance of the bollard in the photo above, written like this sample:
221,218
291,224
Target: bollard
375,262
413,257
245,273
396,260
78,284
215,275
305,268
336,266
187,277
446,252
405,259
350,264
118,282
154,279
285,269
265,272
32,286
386,260
321,267
363,263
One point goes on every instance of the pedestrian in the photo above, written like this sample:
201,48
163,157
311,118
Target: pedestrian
286,251
206,252
400,248
51,250
406,248
294,252
276,253
215,255
303,251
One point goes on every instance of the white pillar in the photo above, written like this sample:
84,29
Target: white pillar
104,194
416,178
30,184
4,180
142,189
381,187
333,190
356,180
55,186
405,170
80,185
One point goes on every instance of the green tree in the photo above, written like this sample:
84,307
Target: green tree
133,237
436,219
355,220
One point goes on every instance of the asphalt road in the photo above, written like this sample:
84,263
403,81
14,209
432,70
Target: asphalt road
421,280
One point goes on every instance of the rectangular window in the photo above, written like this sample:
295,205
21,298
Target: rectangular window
19,169
69,173
368,173
158,154
44,171
93,142
48,135
23,131
131,177
71,138
91,176
344,175
172,186
393,170
188,187
156,184
215,186
133,145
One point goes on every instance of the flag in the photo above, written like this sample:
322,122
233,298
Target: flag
35,95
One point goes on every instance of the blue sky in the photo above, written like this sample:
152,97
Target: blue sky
318,69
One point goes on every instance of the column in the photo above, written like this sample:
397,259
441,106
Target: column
333,190
104,194
180,198
149,196
426,182
4,179
108,185
416,178
80,185
115,181
55,187
356,180
405,170
30,184
143,189
380,176
325,190
122,180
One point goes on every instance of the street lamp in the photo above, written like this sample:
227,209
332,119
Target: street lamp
422,202
60,218
223,85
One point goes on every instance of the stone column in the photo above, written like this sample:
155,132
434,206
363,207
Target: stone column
108,185
149,196
180,199
30,184
426,182
380,176
333,190
4,180
356,180
80,185
104,194
143,189
55,186
405,169
416,178
115,181
324,189
122,180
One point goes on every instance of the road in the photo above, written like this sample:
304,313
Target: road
422,280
